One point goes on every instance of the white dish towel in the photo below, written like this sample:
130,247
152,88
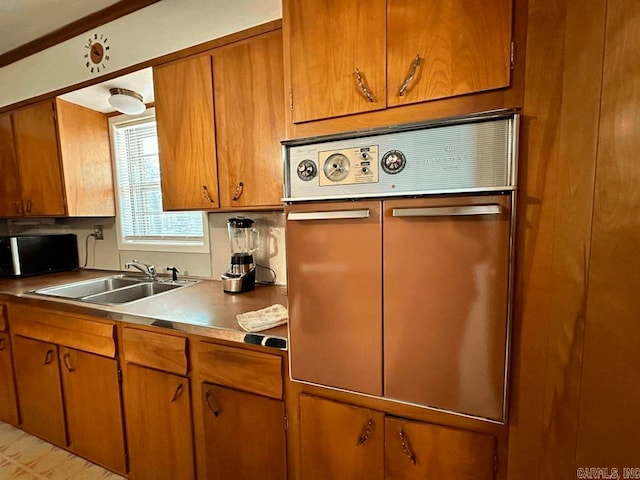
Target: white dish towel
264,318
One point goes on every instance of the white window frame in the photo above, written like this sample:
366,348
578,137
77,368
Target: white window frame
161,245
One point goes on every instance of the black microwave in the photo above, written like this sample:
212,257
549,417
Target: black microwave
24,255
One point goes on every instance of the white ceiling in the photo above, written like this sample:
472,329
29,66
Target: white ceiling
95,96
22,21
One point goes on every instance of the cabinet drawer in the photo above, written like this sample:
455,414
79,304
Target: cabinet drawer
155,350
247,370
3,318
77,332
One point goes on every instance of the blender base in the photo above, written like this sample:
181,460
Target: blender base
239,282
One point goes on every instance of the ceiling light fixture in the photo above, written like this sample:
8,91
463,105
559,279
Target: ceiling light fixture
126,101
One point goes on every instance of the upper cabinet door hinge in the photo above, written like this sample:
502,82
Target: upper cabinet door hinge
119,374
286,422
513,54
291,99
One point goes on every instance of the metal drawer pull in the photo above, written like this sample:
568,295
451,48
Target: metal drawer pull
238,192
215,409
334,215
363,86
205,194
177,393
412,73
66,358
448,211
406,449
48,358
366,432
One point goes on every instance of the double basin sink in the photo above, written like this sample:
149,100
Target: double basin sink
113,290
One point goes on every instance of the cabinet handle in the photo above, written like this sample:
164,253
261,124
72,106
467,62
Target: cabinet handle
177,393
66,358
362,85
28,206
332,215
205,194
406,449
447,211
412,73
366,431
211,403
2,342
238,192
48,358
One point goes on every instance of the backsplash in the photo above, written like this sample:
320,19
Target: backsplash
104,254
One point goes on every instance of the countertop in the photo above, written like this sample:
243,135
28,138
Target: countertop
199,309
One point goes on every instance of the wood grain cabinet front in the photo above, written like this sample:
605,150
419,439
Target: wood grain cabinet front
244,435
159,433
8,402
346,441
230,158
55,160
356,57
68,382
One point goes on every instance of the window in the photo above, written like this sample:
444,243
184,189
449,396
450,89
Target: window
142,223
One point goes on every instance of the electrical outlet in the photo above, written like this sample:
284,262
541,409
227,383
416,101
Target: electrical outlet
97,231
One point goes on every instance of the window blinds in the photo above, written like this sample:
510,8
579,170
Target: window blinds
138,172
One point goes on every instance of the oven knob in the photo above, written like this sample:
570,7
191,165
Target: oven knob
336,167
365,169
393,162
365,155
306,170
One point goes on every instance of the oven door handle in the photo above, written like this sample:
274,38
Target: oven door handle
332,215
452,211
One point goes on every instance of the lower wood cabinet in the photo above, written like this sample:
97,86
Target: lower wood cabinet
93,407
244,435
39,389
158,414
344,441
8,404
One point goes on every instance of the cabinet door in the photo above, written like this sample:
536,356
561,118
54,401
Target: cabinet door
328,41
340,441
244,435
93,407
249,93
446,283
464,46
158,414
37,152
10,196
8,405
419,451
186,134
39,389
335,287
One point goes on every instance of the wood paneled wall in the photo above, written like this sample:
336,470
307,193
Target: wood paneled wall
575,392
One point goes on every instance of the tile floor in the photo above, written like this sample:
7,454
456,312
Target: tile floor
25,457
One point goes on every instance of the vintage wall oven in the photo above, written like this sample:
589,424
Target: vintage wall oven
399,245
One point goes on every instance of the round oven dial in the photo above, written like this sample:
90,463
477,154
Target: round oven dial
393,162
336,167
307,170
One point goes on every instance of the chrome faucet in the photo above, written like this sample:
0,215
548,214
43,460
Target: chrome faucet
148,270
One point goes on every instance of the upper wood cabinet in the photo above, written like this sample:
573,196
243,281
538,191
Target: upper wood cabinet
230,158
186,134
354,57
55,160
249,97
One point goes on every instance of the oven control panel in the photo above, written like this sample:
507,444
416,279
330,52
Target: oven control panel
348,166
463,155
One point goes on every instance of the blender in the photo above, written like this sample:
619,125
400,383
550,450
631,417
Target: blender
243,239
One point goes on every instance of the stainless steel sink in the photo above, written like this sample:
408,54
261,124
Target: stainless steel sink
113,290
